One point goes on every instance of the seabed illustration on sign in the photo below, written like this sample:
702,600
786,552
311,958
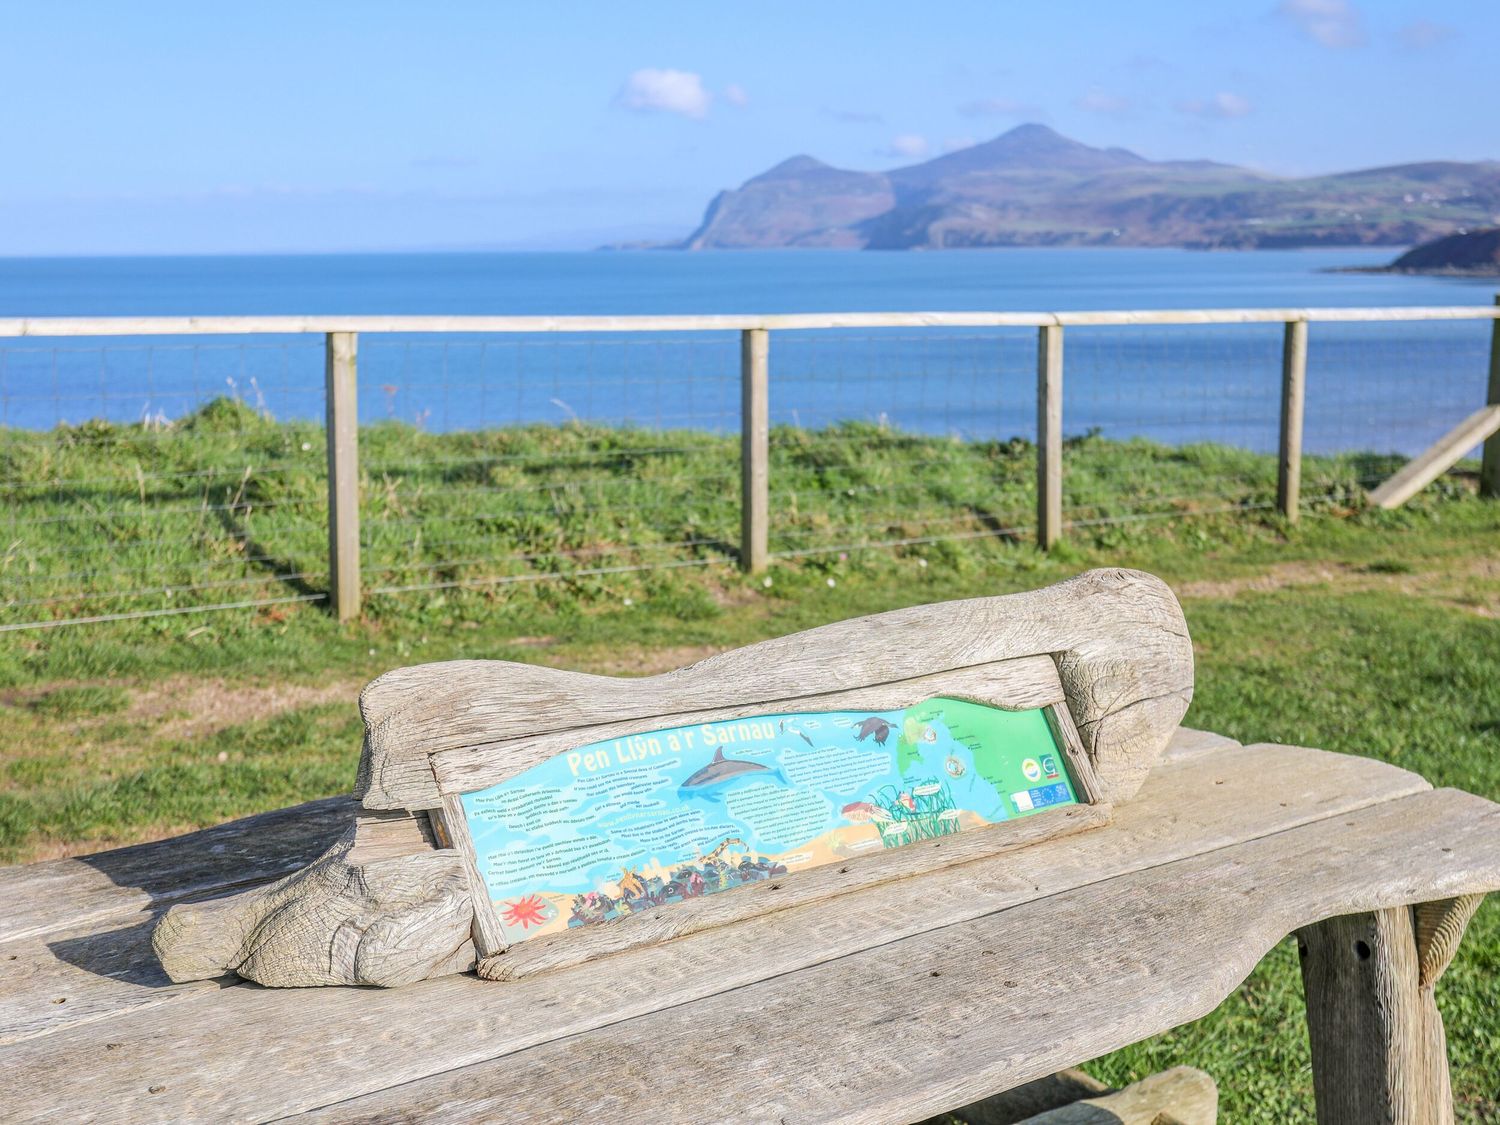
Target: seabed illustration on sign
621,826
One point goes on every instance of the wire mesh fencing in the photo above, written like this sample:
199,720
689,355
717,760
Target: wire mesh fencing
490,462
156,476
894,439
142,479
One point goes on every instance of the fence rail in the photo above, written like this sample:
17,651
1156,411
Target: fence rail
1228,389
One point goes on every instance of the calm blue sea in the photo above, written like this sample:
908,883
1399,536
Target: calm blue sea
1379,387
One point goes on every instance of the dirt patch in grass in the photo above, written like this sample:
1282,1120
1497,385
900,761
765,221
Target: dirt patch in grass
1375,575
183,707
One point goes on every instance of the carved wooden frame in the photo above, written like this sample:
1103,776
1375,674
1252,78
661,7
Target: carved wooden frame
1108,652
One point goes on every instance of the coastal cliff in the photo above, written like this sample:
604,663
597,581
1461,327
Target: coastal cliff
1034,187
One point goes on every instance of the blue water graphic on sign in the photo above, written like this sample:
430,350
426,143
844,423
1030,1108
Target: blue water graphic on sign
623,825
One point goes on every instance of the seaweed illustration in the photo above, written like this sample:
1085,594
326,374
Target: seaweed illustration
921,811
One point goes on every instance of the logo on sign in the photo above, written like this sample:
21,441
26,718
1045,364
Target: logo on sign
1031,769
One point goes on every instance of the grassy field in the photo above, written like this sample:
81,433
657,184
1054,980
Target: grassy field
1372,633
226,505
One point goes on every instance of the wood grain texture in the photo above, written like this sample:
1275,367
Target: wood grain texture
1187,742
1011,684
63,894
1182,1095
1117,637
945,1016
1489,458
102,964
83,975
1013,1106
1293,400
1378,1048
326,1045
380,907
341,397
755,449
1049,436
1437,459
1440,927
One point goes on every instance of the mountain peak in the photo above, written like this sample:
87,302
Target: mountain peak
799,165
1030,148
1031,186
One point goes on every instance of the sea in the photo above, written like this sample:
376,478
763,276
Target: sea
1387,387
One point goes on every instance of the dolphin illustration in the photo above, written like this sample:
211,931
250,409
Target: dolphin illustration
723,772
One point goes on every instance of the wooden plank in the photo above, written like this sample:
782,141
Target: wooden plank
1293,395
488,937
755,449
1269,316
1049,460
105,966
1188,742
936,1020
1437,459
1012,684
41,898
1489,467
294,325
1180,1096
382,907
1379,1056
1016,1105
1117,637
74,977
330,1044
343,474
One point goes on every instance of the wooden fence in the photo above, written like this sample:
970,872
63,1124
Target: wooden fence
341,335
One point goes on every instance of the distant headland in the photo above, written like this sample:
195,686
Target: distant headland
1034,187
1469,253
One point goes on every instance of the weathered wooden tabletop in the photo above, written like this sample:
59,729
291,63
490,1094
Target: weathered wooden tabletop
887,1004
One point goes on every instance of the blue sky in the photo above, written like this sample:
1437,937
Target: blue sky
189,128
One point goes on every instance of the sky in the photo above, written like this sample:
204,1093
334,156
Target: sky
165,128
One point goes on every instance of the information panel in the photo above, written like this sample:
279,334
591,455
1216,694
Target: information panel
617,827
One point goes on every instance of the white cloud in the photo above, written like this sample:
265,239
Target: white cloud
735,95
1424,34
1100,101
907,145
953,144
665,91
1223,104
1332,23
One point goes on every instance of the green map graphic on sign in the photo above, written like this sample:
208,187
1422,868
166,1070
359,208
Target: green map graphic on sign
624,825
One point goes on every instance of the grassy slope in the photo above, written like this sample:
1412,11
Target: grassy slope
1374,634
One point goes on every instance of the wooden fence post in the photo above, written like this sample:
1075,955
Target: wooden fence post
755,448
1489,469
1049,466
343,473
1293,397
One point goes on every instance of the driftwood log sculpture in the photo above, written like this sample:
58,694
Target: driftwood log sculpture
396,901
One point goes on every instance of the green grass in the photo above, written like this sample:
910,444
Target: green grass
1367,632
226,505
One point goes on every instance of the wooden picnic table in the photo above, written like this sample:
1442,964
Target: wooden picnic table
888,1003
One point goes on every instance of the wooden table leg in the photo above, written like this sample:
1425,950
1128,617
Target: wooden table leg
1379,1052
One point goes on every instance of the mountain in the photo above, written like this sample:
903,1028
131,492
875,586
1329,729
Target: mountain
1475,253
1034,187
